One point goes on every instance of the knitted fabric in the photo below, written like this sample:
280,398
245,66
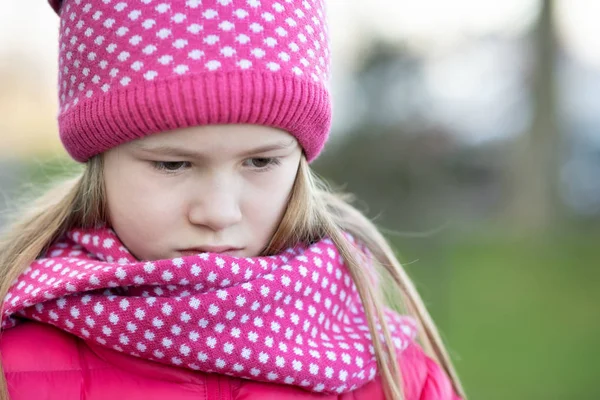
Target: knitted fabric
295,318
130,68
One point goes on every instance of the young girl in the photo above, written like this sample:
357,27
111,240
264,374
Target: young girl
197,256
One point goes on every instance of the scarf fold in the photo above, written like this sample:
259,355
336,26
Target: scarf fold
294,318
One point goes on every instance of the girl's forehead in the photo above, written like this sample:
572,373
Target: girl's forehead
234,139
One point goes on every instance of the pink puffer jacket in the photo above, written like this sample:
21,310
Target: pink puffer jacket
45,363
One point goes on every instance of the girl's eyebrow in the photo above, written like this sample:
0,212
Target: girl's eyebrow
168,150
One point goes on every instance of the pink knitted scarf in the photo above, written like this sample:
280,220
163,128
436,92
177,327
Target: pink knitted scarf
294,318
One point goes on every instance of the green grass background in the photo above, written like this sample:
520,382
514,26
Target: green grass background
520,316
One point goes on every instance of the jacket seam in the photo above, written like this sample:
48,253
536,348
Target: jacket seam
50,371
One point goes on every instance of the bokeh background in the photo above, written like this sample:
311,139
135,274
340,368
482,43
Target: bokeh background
468,129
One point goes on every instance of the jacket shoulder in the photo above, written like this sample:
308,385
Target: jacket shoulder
41,361
32,346
423,378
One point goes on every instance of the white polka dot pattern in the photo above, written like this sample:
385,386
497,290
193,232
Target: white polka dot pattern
294,319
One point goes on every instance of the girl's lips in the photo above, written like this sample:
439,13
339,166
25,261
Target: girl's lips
210,249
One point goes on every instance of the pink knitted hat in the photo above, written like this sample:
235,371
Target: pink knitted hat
130,68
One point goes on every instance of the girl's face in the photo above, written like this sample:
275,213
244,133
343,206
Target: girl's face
215,188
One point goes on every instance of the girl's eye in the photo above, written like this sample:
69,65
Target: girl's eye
263,163
171,166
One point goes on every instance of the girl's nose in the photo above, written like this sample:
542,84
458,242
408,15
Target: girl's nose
216,207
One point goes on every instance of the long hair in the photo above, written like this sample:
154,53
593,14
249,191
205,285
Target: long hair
313,212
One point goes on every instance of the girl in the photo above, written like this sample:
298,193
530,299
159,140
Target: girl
197,256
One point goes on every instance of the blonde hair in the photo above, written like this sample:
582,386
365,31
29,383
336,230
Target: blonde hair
313,212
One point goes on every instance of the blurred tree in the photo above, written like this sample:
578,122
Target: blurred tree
411,172
533,171
390,81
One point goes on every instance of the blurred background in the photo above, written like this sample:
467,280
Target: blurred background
469,130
